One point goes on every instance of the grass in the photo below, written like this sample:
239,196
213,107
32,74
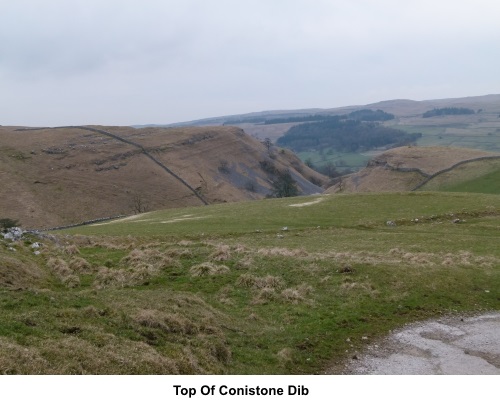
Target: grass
488,183
342,161
474,177
463,136
232,291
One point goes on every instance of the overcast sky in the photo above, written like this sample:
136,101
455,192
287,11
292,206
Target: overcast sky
124,62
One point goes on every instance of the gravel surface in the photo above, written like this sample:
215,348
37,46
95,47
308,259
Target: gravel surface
451,346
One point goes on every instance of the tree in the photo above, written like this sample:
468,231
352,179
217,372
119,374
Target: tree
7,223
309,163
329,169
138,204
268,144
283,185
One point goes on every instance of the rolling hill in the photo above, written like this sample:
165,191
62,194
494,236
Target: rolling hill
419,168
480,130
61,176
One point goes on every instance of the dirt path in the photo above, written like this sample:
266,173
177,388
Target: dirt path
452,346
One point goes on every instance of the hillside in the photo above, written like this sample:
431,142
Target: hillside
59,176
408,115
406,168
481,176
429,122
227,289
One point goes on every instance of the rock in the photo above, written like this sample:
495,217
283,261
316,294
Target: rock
14,234
36,252
390,223
35,245
284,229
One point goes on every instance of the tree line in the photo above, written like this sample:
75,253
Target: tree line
344,135
360,115
447,111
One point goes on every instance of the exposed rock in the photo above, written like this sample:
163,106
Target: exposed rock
14,234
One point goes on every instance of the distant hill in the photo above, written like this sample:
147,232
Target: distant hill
440,123
422,168
59,176
439,130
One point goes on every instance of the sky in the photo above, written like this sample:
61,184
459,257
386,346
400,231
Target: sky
127,62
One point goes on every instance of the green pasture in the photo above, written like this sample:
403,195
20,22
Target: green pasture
342,161
473,177
279,286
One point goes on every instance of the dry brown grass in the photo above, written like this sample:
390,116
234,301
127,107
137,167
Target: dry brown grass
74,355
71,250
285,355
168,322
80,265
139,274
207,269
272,288
285,252
63,272
357,288
221,253
298,294
159,260
17,274
264,295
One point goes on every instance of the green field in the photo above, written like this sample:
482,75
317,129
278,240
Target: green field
461,136
488,183
473,177
279,286
343,161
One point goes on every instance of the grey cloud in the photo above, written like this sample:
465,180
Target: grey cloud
172,60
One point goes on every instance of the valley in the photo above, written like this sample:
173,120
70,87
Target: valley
191,262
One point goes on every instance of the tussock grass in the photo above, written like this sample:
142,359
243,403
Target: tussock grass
222,253
297,294
139,274
63,271
277,251
71,250
207,269
73,355
80,265
172,323
18,274
159,260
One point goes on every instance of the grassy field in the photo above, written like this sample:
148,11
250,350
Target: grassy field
473,177
461,136
280,286
343,161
